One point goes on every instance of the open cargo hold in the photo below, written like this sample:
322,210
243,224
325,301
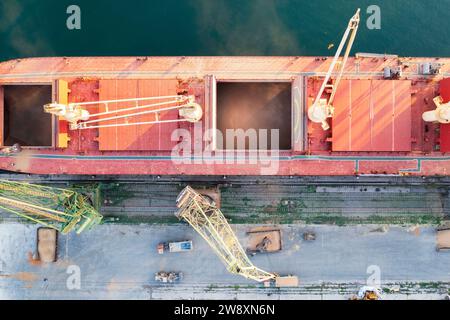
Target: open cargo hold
24,120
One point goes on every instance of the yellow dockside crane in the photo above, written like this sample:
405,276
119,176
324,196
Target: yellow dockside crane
61,209
211,224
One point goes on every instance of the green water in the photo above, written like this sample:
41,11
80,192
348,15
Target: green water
219,27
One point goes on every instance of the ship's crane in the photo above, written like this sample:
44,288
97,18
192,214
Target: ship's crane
61,209
79,116
322,108
210,223
441,114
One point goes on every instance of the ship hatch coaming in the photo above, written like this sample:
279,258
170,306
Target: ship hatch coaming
24,120
255,105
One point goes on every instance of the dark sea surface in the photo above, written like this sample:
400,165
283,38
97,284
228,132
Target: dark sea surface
219,27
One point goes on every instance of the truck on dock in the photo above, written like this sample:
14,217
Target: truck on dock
47,244
178,246
443,237
282,282
168,277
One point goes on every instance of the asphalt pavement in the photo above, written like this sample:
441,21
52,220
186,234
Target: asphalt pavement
119,261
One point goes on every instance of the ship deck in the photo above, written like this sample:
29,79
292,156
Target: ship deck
377,128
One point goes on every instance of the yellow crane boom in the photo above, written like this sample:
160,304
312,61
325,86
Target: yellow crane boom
61,209
211,224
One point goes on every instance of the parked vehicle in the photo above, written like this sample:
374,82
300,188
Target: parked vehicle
179,246
443,239
46,244
282,282
168,277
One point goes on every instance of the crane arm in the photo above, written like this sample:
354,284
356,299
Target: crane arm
211,224
60,209
322,109
79,117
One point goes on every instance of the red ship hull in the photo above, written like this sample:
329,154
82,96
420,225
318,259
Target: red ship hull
377,127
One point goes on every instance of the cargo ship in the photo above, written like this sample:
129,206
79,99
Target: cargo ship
367,114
